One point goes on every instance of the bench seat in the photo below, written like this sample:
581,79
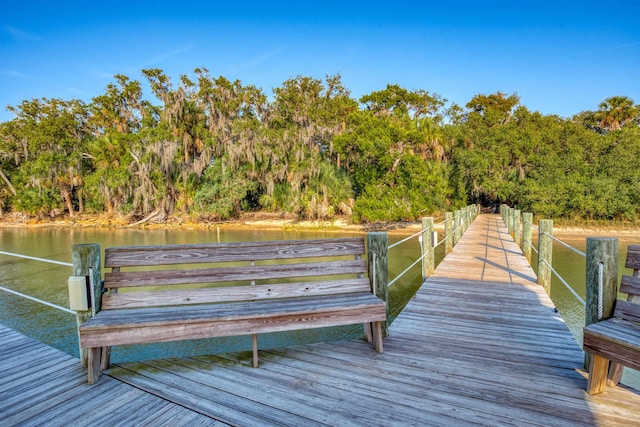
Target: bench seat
182,292
614,339
171,323
614,343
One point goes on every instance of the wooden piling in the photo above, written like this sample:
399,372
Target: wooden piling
545,253
601,281
378,266
527,226
601,278
448,232
517,227
456,227
86,262
428,262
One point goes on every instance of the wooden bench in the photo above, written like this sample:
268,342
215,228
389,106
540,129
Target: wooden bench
179,292
614,343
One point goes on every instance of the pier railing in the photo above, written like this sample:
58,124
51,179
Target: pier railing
601,257
29,297
69,310
451,228
447,233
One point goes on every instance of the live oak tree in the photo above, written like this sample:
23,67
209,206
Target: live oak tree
50,136
213,148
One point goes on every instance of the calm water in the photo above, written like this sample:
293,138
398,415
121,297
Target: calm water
49,282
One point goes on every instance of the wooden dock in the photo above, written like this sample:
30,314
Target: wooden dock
480,344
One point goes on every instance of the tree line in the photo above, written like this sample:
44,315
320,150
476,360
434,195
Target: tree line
212,148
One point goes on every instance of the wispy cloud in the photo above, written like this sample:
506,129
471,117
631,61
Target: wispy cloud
164,56
75,90
133,69
17,74
256,60
19,33
606,49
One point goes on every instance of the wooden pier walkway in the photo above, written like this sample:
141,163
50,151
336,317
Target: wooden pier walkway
480,344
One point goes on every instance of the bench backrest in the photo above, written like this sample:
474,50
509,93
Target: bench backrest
205,273
630,285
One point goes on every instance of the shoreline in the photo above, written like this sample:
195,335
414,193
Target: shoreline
279,222
261,221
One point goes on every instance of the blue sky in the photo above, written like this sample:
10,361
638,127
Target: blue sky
560,57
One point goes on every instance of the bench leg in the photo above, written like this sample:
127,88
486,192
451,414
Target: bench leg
377,336
615,373
598,369
105,360
254,344
367,332
93,364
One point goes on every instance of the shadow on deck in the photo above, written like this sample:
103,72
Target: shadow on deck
487,348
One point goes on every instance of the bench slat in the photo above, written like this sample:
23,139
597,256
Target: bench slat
630,285
633,257
627,310
614,339
118,327
123,300
231,274
228,252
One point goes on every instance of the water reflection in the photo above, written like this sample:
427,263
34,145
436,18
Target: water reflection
572,268
49,282
58,329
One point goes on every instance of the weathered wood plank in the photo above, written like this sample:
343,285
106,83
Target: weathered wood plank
442,365
633,257
168,310
49,388
230,311
628,311
221,404
231,252
232,274
157,298
241,325
630,285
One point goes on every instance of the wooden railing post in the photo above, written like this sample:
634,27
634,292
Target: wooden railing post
545,253
378,267
517,227
428,262
456,227
512,220
465,219
527,227
448,232
507,221
86,262
601,280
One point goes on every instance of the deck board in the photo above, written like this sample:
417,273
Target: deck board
480,344
40,385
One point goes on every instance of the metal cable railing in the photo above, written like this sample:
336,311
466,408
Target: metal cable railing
564,282
406,270
406,239
566,245
420,234
50,261
553,270
29,297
